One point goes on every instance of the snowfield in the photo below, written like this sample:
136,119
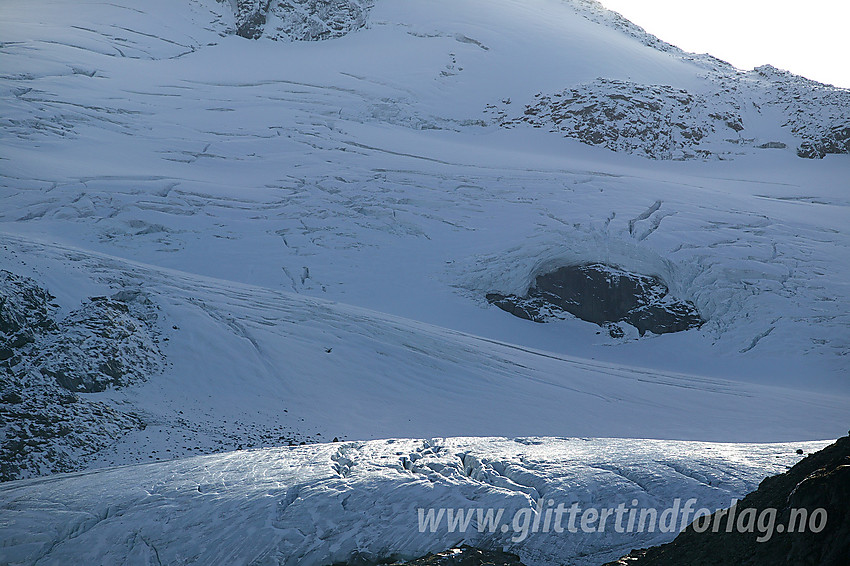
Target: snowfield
249,366
261,242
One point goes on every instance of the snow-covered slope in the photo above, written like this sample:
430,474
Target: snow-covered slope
359,501
363,170
250,366
318,168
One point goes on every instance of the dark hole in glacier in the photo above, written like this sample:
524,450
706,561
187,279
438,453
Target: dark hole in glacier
604,295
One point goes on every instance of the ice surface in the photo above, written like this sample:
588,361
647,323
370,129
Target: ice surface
327,503
318,224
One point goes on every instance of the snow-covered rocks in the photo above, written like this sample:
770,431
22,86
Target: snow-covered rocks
299,20
662,122
465,555
816,113
731,112
109,342
25,310
46,430
654,121
103,344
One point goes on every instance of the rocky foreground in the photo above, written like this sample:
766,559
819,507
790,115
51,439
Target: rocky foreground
820,481
48,363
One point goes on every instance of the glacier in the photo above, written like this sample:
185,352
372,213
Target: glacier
314,217
329,503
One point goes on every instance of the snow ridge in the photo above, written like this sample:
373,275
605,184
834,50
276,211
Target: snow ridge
597,13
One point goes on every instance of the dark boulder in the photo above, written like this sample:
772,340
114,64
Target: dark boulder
603,295
663,318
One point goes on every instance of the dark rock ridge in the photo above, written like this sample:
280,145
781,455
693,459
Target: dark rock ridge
299,20
468,556
603,295
25,311
45,426
820,481
103,344
463,555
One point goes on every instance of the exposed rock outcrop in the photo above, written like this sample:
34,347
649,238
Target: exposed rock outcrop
299,20
654,121
603,295
662,122
25,311
467,556
820,481
45,426
814,112
101,345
